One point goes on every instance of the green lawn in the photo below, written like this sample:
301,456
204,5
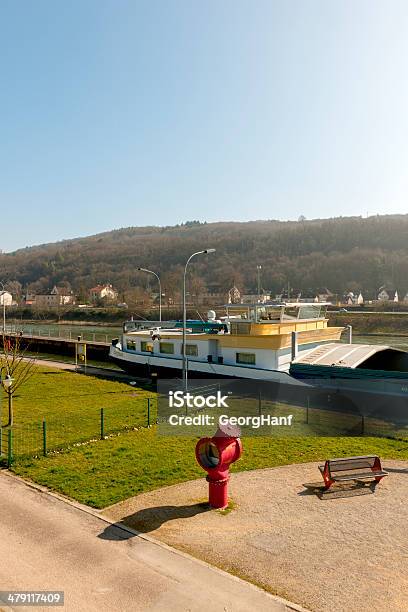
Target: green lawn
107,471
71,404
103,472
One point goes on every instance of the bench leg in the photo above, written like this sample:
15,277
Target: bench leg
377,468
326,476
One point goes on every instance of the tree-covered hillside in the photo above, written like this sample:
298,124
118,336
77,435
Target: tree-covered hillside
341,254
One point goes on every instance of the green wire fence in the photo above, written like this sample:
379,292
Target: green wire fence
60,432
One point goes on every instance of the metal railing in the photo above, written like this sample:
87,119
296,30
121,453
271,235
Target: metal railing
57,333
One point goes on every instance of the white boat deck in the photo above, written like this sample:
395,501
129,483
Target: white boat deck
342,355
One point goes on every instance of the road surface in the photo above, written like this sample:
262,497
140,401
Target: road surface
47,543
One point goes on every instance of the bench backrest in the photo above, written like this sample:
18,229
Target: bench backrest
349,464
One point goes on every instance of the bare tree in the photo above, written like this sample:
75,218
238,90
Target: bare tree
15,288
16,367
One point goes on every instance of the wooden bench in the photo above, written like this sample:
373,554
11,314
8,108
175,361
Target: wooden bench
352,468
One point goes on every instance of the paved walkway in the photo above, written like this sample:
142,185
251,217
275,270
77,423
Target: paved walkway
47,543
345,552
91,370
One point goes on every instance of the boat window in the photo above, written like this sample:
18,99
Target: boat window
246,358
240,328
252,313
191,349
311,311
269,314
146,347
129,326
261,312
167,348
290,313
131,345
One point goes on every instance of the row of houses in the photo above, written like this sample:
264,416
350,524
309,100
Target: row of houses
383,296
60,296
321,295
63,297
360,297
107,294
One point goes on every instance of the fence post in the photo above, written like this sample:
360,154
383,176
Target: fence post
44,435
102,424
259,403
148,411
307,410
10,447
362,424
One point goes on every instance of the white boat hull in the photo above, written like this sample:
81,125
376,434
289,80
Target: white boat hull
173,366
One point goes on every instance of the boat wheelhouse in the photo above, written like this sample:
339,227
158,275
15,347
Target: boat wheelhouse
251,341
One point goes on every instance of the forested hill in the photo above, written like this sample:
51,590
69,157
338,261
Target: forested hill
341,254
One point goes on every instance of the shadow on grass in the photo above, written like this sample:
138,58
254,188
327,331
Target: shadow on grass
114,375
52,373
150,519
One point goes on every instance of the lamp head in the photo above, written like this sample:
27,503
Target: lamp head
8,381
209,251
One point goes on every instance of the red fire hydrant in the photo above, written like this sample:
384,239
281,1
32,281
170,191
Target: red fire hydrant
215,455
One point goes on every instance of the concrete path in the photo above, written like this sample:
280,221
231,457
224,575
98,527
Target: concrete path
47,543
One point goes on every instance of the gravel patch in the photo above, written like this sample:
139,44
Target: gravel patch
346,551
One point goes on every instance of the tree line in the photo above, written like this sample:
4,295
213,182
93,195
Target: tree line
342,254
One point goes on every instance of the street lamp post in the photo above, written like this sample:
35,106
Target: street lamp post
259,268
160,290
4,307
185,313
7,383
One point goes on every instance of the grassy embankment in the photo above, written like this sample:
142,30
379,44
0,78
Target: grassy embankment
372,323
102,472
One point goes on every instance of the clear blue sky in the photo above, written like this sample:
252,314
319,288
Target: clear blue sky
118,113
